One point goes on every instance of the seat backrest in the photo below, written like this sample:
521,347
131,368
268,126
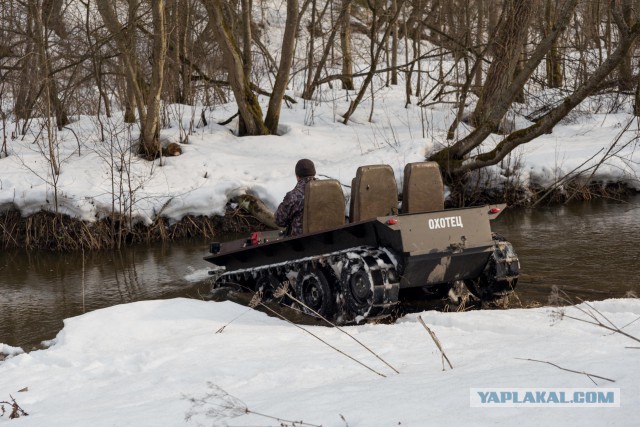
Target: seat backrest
373,193
422,190
323,205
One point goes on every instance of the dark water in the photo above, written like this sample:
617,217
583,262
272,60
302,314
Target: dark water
589,250
40,289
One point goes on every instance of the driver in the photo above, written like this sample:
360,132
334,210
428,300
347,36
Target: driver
289,213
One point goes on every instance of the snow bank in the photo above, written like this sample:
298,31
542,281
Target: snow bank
161,363
97,176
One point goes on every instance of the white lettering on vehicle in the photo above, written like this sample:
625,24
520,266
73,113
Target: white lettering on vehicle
446,222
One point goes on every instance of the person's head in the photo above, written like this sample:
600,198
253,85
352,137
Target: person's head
305,168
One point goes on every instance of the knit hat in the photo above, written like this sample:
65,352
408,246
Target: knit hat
304,168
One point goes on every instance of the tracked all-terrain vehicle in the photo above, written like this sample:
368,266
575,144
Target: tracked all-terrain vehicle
356,269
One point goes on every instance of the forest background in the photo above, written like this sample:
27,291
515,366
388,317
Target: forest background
131,82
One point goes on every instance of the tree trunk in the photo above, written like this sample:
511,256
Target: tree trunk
147,99
150,128
510,36
345,43
394,45
553,62
286,59
479,41
626,81
133,102
248,105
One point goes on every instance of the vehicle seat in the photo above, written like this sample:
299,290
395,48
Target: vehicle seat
422,190
373,193
323,205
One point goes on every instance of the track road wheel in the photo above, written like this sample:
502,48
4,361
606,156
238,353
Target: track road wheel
312,288
370,285
500,275
358,291
267,285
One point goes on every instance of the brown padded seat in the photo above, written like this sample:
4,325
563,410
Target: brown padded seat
422,190
323,205
373,193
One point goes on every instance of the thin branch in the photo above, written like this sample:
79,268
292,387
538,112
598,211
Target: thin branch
320,339
564,178
602,325
341,330
590,376
219,331
437,341
593,314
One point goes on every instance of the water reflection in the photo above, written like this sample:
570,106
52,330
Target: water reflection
39,289
590,249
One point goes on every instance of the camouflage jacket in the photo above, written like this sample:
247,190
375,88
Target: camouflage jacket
289,213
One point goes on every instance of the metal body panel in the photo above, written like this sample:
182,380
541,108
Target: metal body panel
433,269
430,248
237,255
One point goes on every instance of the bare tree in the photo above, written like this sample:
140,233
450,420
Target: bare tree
494,108
376,49
314,79
147,96
248,105
626,38
345,43
286,59
505,50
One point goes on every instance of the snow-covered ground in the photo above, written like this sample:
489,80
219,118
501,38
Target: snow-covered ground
161,363
215,165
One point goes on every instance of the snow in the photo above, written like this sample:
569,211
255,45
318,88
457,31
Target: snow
161,363
216,165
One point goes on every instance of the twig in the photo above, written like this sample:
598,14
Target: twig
590,376
602,325
323,341
342,330
283,422
564,178
219,331
437,341
224,405
16,410
595,320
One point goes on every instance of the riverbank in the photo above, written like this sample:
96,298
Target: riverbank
63,233
123,199
190,362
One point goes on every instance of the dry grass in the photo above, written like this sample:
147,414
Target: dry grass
55,232
574,189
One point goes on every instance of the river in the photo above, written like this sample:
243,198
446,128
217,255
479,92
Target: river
590,250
